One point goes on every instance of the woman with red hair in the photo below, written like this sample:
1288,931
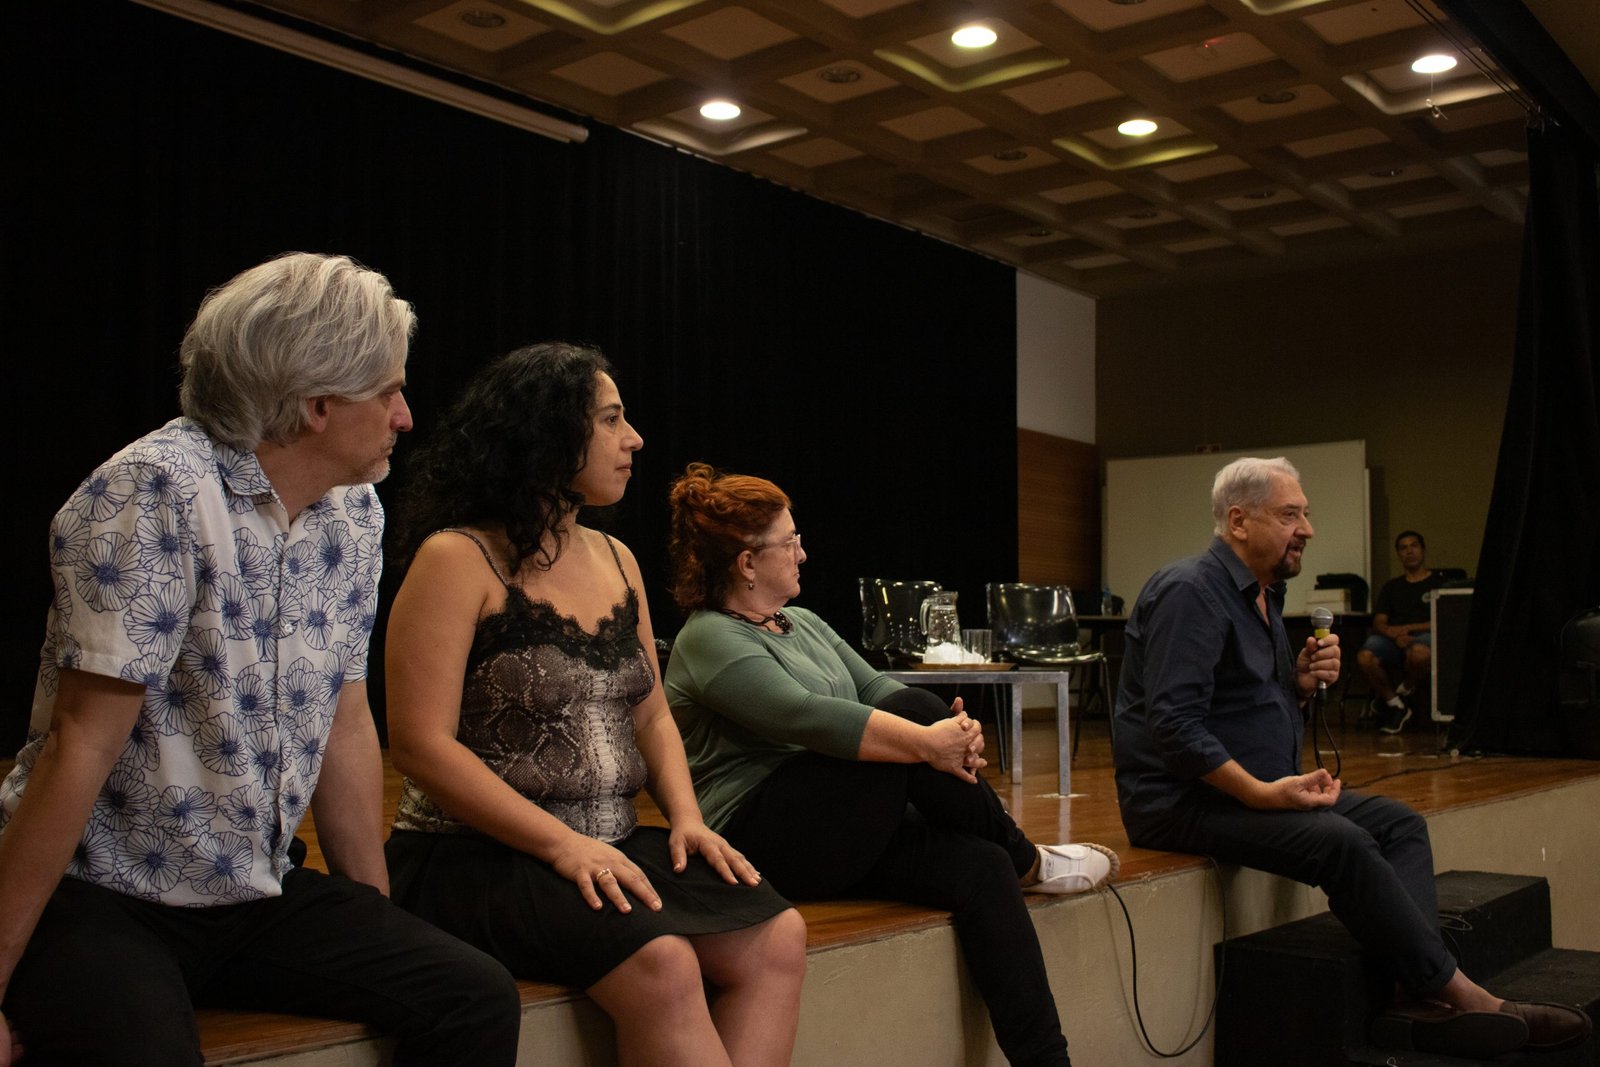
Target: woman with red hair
834,779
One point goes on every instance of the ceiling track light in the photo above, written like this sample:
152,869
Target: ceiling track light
384,72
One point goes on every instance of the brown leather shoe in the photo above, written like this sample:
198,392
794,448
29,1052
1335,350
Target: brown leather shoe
1432,1027
1550,1026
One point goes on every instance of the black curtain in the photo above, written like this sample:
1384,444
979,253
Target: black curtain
1539,561
868,370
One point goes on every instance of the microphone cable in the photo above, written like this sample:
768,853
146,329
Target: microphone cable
1319,715
1133,953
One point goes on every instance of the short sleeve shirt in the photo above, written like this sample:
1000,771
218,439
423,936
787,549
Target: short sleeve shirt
175,566
1407,602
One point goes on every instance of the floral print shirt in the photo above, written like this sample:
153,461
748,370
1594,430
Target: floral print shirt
176,567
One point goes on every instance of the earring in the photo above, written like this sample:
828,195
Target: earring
750,585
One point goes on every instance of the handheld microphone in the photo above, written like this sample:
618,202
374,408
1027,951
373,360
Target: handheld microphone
1321,626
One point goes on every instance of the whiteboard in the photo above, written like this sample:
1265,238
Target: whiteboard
1158,509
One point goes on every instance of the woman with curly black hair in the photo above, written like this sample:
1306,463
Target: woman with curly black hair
526,710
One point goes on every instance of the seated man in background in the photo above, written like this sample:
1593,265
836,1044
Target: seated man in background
1209,726
1401,637
202,681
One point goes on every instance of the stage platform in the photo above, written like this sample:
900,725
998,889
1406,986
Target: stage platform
885,985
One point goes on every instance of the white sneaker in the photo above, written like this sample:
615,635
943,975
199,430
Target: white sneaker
1074,868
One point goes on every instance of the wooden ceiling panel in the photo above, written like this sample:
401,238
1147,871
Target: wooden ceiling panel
1286,129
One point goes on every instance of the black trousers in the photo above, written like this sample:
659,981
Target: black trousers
1370,854
107,979
822,827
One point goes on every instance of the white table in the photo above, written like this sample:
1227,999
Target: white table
1060,677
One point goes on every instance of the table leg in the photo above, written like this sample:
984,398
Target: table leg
1064,735
1002,747
1016,733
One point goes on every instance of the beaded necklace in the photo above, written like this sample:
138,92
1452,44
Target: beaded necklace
784,625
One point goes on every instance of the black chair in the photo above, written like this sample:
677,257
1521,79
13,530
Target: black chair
1037,626
1035,622
890,621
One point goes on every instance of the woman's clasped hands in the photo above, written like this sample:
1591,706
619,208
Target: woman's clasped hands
955,745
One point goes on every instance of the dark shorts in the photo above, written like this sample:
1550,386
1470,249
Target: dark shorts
1389,653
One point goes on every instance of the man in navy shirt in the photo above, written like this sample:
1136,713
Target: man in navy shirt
1208,727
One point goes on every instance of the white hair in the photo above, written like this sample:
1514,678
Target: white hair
298,326
1246,483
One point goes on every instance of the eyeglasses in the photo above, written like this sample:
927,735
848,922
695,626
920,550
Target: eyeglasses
792,545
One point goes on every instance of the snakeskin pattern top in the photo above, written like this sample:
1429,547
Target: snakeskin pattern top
548,707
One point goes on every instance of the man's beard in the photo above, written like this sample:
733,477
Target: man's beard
1287,568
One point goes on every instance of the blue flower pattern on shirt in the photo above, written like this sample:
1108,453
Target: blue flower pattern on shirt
174,567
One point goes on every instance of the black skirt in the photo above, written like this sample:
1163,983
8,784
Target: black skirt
519,910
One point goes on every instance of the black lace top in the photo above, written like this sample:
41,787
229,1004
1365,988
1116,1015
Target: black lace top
548,707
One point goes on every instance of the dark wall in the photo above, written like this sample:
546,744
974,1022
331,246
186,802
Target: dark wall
1412,354
866,369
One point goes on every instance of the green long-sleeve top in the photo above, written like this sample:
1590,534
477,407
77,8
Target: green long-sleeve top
746,699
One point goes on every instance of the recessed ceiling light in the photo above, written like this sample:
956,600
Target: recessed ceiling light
1281,96
1435,64
1261,194
1126,3
974,36
1137,128
1149,213
1386,172
719,110
483,20
1011,155
839,75
1040,233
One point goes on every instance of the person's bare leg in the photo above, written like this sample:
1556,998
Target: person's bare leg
1377,676
756,974
1419,659
657,1003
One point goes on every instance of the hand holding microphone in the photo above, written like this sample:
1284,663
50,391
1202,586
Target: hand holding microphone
1321,626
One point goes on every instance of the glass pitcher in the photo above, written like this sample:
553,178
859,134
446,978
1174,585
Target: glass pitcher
940,625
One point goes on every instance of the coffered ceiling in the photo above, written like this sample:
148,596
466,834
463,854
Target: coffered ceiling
1290,132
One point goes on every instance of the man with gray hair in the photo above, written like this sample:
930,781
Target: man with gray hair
202,684
1209,724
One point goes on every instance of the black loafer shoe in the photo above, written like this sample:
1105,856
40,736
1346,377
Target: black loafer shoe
1550,1026
1442,1029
